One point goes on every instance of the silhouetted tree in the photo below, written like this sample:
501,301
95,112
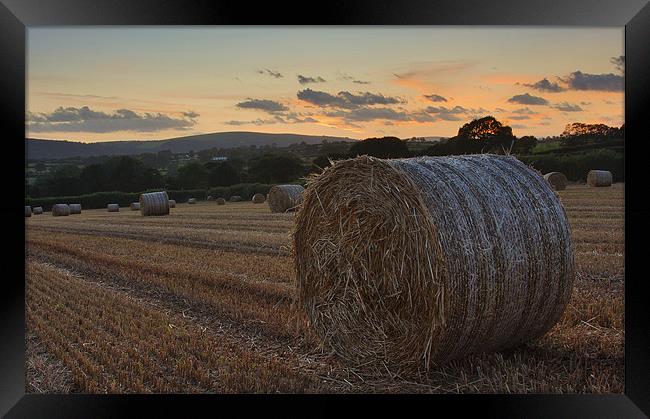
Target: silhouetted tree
321,162
193,175
94,179
273,168
440,148
222,174
524,145
385,148
579,133
482,135
63,180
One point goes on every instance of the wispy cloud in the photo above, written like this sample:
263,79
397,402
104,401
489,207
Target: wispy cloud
370,114
567,107
453,114
84,119
524,111
435,68
345,99
347,77
191,114
266,105
280,113
528,99
306,80
288,118
603,82
272,73
424,76
76,96
545,85
435,98
619,62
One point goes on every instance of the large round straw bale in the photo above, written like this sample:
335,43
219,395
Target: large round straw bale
75,208
191,201
154,203
599,178
60,210
235,198
409,263
135,206
209,198
37,210
172,203
28,211
113,207
221,201
283,198
258,198
557,180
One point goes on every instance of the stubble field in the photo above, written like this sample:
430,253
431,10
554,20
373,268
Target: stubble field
203,301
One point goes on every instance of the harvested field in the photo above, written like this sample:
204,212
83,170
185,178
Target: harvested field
202,301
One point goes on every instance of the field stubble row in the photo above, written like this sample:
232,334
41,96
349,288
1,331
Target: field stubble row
228,275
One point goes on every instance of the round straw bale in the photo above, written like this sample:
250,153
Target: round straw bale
235,198
283,198
221,201
191,201
75,208
60,210
410,263
154,203
113,207
28,211
557,180
258,198
172,203
599,178
37,210
209,198
135,206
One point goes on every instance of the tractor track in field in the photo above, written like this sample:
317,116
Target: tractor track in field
302,353
305,357
157,238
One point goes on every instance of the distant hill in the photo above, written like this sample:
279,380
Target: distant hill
58,149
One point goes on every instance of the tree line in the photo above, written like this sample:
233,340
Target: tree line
129,174
484,135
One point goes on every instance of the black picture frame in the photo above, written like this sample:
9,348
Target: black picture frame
634,15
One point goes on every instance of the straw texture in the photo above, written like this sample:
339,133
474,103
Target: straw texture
599,178
28,211
172,203
221,201
154,203
135,206
75,208
557,180
37,210
113,207
283,198
408,263
60,210
258,198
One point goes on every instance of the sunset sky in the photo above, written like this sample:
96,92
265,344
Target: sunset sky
114,83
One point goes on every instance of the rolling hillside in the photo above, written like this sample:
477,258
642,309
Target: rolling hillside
37,149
